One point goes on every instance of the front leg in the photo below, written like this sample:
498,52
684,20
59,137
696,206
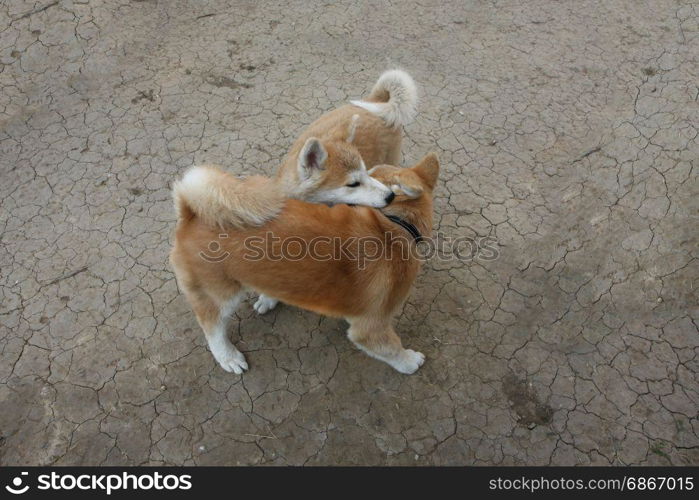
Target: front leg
378,339
264,304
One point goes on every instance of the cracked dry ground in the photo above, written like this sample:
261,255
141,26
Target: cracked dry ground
567,131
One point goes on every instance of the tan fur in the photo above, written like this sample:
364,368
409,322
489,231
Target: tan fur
368,298
378,141
220,200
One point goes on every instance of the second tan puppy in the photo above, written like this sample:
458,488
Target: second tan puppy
381,116
366,292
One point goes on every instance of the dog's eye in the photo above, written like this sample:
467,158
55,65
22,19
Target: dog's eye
353,185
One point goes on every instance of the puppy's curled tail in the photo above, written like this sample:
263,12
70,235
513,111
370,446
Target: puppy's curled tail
393,98
220,199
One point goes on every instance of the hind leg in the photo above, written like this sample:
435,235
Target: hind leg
213,318
378,339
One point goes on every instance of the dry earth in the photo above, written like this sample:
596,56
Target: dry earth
567,131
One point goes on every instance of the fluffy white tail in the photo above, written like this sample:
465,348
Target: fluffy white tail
222,200
393,98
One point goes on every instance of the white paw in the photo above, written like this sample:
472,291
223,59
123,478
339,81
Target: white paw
264,304
409,361
233,361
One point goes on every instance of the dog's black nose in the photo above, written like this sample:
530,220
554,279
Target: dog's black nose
389,198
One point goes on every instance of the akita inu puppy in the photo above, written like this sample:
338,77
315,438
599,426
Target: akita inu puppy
380,117
366,292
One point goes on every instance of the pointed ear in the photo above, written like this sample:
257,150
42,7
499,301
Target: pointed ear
412,192
311,158
352,128
428,170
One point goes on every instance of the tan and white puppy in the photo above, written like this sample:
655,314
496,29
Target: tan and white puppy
375,126
366,292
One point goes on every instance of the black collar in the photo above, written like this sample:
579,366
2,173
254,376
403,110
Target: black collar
407,226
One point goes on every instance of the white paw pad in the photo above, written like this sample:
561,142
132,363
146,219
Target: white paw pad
265,304
409,361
